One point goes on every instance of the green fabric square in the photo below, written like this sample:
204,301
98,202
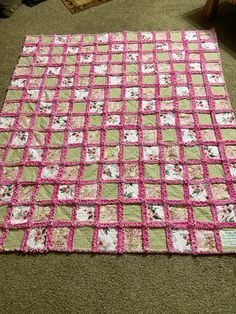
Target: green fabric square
218,90
202,213
4,137
91,172
131,106
179,66
175,192
118,57
63,212
204,118
51,81
109,190
71,59
132,68
3,213
152,171
100,80
112,136
83,238
46,39
228,134
216,171
157,239
149,119
15,155
147,46
45,192
185,104
65,94
193,46
192,152
13,94
57,138
169,135
197,79
149,79
95,120
38,71
73,154
79,107
166,91
176,36
102,48
58,50
84,69
211,56
89,39
132,213
131,153
115,92
42,122
28,107
164,56
10,107
14,239
30,173
25,60
131,36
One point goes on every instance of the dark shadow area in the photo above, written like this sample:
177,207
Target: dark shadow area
224,24
87,5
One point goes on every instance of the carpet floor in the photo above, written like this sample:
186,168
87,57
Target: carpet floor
83,283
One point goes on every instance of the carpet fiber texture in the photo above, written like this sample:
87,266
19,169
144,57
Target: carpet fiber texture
82,283
122,142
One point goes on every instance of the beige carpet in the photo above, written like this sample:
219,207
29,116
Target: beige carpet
76,283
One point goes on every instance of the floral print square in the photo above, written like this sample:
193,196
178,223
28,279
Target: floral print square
198,192
131,190
155,212
205,241
92,153
131,136
181,240
20,214
66,192
85,212
174,172
37,239
108,213
88,191
110,172
107,239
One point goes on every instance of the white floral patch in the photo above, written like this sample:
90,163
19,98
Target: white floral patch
215,78
54,70
20,214
117,47
96,106
33,94
132,57
131,190
148,105
35,154
37,239
60,39
81,94
86,58
113,120
182,90
174,172
85,213
132,92
92,153
67,81
225,118
188,135
162,46
165,79
100,69
148,68
72,50
181,240
198,192
226,213
115,80
18,82
233,170
131,136
110,172
45,107
167,118
155,212
42,59
202,104
151,153
66,192
59,122
6,122
147,36
211,151
209,46
75,137
29,49
6,192
195,66
102,38
50,172
178,55
107,239
190,36
20,138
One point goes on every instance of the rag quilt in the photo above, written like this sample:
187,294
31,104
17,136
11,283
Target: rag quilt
118,142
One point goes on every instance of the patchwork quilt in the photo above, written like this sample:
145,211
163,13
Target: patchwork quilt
116,143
